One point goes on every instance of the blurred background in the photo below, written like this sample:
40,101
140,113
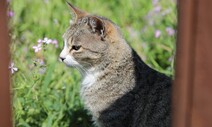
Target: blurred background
45,91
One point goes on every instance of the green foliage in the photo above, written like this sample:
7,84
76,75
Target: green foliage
47,95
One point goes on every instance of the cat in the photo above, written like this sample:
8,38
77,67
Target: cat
117,88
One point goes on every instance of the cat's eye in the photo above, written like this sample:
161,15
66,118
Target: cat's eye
76,47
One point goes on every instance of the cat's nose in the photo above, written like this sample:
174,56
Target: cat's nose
62,58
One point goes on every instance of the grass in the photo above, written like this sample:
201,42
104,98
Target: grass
47,94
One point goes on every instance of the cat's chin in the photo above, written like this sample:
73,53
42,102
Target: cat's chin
70,65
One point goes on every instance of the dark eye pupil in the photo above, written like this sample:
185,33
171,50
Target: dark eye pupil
75,47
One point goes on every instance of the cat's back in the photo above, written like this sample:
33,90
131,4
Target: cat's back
148,104
153,102
152,96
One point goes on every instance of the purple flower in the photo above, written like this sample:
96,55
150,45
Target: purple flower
40,41
12,68
157,9
37,48
157,33
40,61
170,31
10,13
41,64
47,41
154,2
55,42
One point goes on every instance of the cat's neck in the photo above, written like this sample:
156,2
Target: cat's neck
101,86
89,77
116,64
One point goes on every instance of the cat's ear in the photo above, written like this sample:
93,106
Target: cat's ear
97,25
77,13
104,28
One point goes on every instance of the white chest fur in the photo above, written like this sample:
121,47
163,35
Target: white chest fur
89,79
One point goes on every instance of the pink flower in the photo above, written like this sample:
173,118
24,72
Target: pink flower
154,2
40,41
10,13
12,68
157,33
55,42
170,31
157,9
47,41
37,48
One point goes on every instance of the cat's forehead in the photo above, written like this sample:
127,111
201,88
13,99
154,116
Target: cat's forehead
92,26
78,27
72,31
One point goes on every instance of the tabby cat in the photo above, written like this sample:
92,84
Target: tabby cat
117,88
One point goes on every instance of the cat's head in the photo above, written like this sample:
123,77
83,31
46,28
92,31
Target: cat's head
89,40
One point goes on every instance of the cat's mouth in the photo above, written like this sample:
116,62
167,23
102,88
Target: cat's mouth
69,61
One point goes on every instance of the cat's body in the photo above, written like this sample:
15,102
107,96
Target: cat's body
118,88
131,95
